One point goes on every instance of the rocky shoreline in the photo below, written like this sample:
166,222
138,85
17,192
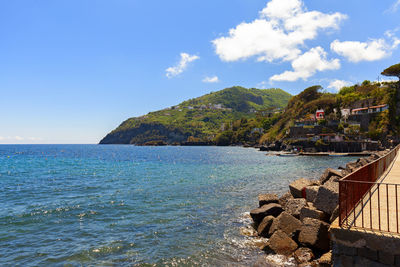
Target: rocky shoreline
297,223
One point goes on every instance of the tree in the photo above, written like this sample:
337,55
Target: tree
310,93
393,70
224,138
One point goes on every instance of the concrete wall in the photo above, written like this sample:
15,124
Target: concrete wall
359,247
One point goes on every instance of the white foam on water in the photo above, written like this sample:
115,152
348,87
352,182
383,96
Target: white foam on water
280,260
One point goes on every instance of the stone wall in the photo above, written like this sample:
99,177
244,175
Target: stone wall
300,131
362,119
364,248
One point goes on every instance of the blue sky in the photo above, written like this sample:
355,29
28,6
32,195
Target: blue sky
71,71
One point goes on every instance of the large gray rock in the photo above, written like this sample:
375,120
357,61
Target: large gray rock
311,192
303,255
314,233
334,179
352,166
328,173
345,173
272,209
374,156
265,199
327,197
369,159
296,187
286,223
265,225
281,243
294,206
310,211
362,161
335,214
284,198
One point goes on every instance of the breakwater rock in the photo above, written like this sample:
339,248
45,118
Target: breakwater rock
297,223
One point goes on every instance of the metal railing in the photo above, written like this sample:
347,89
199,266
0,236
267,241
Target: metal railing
366,202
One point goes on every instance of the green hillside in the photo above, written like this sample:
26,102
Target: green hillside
301,106
198,119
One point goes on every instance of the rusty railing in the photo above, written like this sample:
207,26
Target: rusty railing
368,203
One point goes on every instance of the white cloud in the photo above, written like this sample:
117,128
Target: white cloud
213,79
395,40
307,65
278,34
19,139
394,7
338,84
34,138
372,50
181,66
263,85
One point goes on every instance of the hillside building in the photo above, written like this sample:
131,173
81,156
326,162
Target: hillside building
319,114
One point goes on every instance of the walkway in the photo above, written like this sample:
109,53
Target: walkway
381,204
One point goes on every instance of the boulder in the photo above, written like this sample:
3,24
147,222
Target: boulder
334,179
296,187
281,243
314,263
248,231
314,233
286,223
284,198
381,153
265,199
327,197
345,173
374,156
326,259
311,192
303,255
328,173
335,214
315,182
293,206
310,211
369,159
362,161
261,243
265,225
352,166
272,209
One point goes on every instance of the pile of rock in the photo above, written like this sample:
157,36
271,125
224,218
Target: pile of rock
297,223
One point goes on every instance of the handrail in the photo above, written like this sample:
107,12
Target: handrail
354,187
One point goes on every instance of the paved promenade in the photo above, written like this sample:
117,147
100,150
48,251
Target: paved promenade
379,208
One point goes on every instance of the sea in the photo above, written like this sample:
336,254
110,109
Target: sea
124,205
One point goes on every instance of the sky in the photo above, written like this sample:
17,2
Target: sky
73,70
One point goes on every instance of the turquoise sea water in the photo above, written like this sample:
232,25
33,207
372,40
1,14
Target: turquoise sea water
92,205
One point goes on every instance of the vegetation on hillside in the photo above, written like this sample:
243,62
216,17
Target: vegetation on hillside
200,119
307,102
